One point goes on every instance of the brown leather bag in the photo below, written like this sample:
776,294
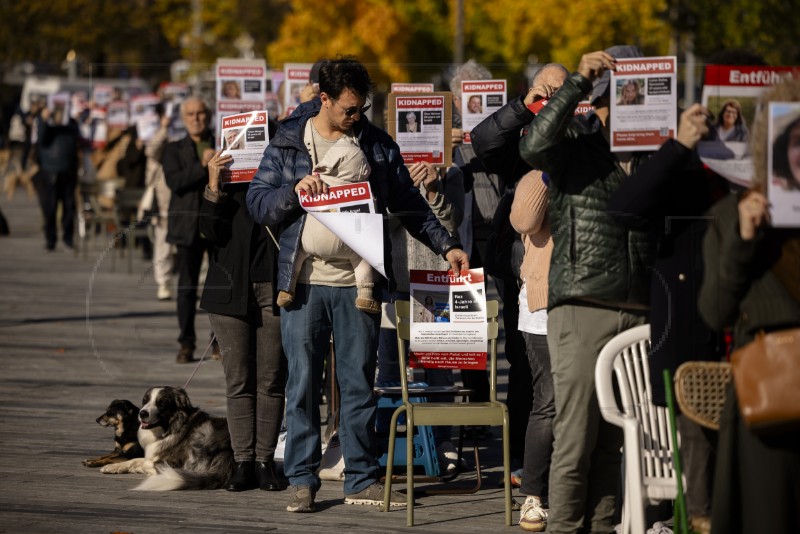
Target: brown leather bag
766,374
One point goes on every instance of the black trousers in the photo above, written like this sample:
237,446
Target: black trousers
188,262
55,187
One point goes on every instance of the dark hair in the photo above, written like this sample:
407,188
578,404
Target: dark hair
780,158
344,72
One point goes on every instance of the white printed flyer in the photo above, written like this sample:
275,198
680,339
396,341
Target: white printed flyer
144,115
479,99
295,78
731,94
421,125
241,87
348,211
448,320
245,136
783,186
644,103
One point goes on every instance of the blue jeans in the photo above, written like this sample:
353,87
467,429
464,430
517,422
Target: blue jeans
306,326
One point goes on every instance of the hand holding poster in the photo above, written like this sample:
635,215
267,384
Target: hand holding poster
448,320
245,137
644,103
783,187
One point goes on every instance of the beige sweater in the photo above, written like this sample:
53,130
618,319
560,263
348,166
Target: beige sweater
529,218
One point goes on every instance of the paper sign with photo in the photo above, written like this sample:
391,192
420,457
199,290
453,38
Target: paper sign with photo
644,103
245,136
421,125
783,186
479,99
448,320
731,94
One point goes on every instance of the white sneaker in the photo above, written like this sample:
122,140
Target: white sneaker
448,457
532,516
164,292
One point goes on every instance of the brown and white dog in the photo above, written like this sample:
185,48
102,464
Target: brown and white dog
123,415
184,447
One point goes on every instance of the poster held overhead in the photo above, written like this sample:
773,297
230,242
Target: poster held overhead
644,103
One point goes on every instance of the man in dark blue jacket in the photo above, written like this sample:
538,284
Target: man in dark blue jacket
324,300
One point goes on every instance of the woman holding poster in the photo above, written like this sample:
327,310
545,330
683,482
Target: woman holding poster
751,281
239,296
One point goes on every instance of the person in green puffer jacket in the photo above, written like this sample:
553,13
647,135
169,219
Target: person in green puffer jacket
598,287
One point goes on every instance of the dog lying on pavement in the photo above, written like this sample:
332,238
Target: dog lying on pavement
123,415
184,447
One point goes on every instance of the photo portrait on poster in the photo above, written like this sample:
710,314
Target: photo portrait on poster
630,92
783,188
475,104
409,121
231,89
233,139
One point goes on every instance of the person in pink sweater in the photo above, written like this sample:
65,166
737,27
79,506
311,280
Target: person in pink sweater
529,218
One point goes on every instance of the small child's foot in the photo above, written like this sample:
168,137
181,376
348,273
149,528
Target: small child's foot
284,298
366,305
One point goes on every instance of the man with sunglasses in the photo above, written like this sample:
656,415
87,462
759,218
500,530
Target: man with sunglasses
325,292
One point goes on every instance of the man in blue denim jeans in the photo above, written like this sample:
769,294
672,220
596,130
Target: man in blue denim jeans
324,300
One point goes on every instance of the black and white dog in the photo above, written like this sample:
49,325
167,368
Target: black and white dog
184,447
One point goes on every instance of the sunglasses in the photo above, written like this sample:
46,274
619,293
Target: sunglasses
354,109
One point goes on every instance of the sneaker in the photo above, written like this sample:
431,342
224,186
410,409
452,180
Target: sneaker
448,457
163,292
372,495
532,516
301,499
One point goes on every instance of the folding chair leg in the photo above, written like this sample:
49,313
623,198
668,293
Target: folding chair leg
390,458
409,468
681,521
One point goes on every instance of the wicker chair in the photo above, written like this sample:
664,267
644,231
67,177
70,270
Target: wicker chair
700,390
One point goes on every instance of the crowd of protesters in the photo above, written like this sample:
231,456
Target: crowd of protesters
593,260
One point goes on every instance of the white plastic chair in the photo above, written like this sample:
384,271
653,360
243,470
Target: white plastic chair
649,472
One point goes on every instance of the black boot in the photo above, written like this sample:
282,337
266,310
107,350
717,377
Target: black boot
268,477
243,477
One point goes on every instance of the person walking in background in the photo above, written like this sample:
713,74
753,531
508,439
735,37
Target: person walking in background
154,180
58,143
185,164
239,295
